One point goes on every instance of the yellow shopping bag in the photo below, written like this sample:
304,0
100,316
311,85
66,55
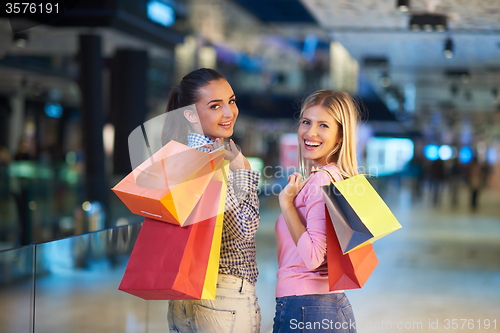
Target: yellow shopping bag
210,284
358,213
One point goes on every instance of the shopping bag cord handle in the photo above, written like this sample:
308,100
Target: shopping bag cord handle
328,172
146,140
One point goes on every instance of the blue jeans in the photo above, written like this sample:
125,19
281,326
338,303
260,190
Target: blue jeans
314,314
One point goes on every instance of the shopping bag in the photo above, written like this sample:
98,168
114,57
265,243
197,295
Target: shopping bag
350,270
360,216
170,262
168,185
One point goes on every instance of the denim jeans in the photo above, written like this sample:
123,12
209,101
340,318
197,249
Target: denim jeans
235,310
314,314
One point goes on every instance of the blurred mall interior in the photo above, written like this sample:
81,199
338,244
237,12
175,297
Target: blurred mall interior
75,80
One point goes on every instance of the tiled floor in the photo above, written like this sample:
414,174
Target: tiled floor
439,273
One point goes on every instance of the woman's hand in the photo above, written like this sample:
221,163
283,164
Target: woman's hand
288,194
233,155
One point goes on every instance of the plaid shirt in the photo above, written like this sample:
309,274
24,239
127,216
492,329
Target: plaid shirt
241,220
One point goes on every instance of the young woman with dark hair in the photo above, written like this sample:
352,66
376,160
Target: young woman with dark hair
235,308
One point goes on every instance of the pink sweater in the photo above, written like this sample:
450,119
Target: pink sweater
302,267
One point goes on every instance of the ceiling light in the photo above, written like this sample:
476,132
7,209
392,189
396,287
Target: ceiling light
403,5
494,92
454,89
380,62
458,74
385,80
448,48
428,22
20,39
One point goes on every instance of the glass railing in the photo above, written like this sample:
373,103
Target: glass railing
41,202
17,289
71,285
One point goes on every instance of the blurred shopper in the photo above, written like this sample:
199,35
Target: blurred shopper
475,176
326,140
455,178
5,191
5,160
23,152
437,174
494,178
24,193
235,308
416,174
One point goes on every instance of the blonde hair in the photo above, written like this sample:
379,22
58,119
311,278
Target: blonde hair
345,110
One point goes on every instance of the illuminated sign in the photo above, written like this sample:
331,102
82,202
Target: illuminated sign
53,110
161,13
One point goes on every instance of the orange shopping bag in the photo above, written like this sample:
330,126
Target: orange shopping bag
168,185
350,270
171,262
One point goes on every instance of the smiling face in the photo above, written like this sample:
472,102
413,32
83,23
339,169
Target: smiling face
217,109
319,133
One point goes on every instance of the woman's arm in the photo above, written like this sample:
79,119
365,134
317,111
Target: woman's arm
312,244
242,203
286,198
311,237
242,217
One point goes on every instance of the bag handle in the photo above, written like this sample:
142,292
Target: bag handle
328,172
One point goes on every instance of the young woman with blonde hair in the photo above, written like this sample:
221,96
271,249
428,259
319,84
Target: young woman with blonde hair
327,149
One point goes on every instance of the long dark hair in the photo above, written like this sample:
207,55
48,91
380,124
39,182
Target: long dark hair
185,94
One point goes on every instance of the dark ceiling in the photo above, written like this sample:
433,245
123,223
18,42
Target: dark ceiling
284,11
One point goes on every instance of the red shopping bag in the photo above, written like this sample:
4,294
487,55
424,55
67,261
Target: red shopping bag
350,270
171,262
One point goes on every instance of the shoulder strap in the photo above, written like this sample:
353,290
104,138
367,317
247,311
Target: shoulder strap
328,172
